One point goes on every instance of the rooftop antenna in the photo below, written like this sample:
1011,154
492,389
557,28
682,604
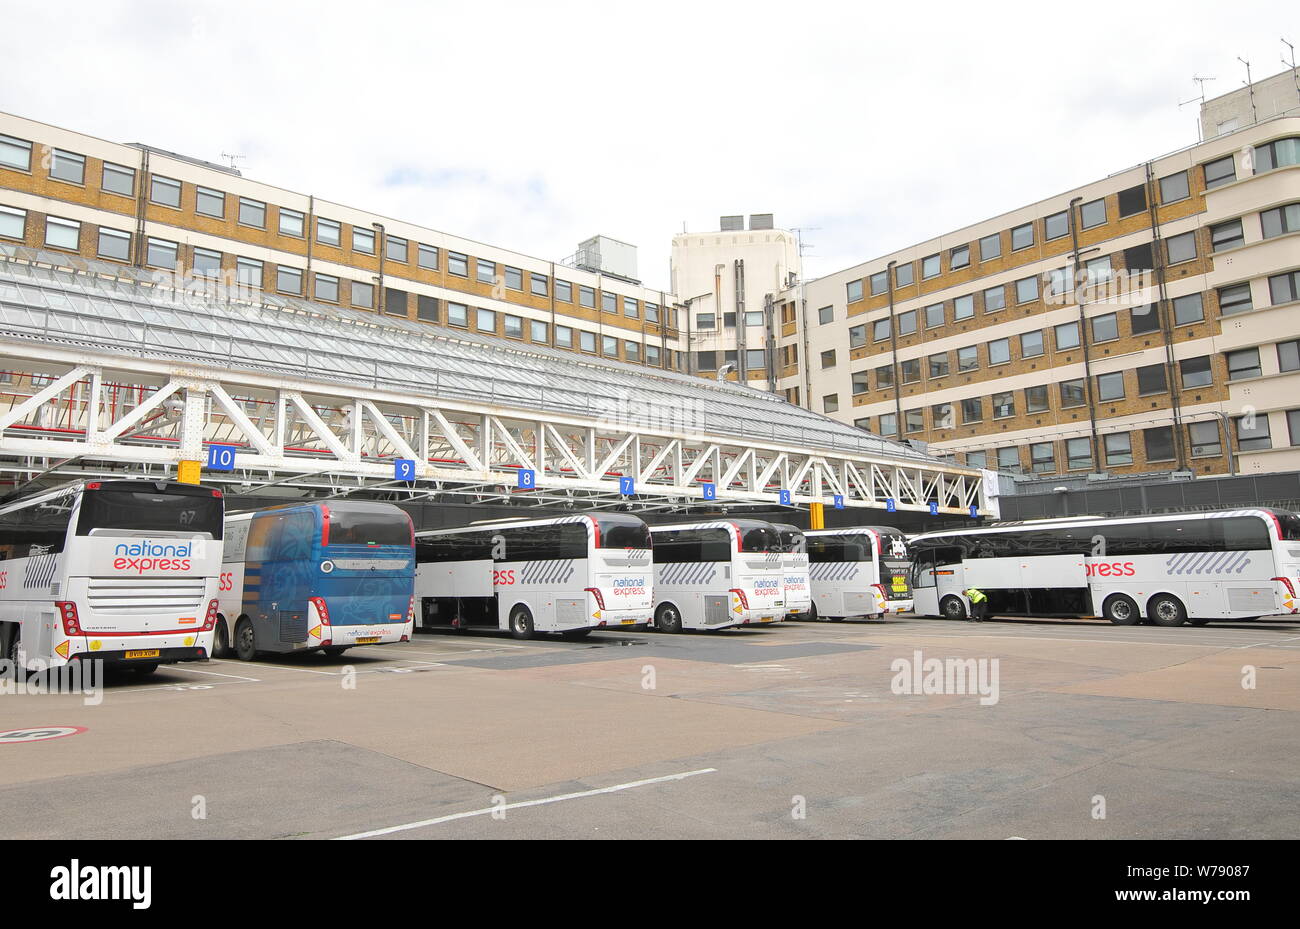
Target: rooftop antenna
1200,82
1295,75
1250,86
232,159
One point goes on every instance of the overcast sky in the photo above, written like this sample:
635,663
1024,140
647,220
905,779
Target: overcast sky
533,125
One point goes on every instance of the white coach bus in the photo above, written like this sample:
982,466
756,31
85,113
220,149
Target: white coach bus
567,574
1166,569
717,574
858,572
120,570
794,565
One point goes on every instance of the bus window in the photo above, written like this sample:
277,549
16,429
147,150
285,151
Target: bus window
760,539
143,511
365,526
1245,533
623,534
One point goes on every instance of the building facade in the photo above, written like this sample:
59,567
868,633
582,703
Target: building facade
128,204
1149,321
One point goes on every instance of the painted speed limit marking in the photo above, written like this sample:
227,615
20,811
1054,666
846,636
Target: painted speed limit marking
10,736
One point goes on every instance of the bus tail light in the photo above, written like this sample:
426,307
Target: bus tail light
68,613
600,599
322,611
210,620
740,595
93,485
410,610
324,525
1286,582
217,494
881,588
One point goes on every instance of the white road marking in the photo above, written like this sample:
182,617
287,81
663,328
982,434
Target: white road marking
525,803
238,677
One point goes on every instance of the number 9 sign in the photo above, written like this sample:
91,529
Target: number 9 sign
403,469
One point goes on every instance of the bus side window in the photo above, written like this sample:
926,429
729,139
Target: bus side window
260,528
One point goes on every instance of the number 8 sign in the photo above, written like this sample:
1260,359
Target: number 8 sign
527,479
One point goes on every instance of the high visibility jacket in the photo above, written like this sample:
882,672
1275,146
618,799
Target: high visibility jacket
976,595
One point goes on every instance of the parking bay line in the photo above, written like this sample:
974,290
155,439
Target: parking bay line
525,803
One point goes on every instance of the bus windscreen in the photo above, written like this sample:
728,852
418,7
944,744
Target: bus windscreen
622,534
151,511
760,539
365,526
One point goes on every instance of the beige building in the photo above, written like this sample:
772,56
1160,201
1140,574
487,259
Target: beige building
1278,95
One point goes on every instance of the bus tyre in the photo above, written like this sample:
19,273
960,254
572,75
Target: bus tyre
1166,610
245,641
668,619
1121,610
574,634
521,623
220,644
144,670
952,608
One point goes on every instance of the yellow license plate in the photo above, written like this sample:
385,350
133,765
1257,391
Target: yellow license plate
368,640
627,622
143,653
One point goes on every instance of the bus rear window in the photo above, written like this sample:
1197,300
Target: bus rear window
145,511
350,526
624,535
893,548
760,539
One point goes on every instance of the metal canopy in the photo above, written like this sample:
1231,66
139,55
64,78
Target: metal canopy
147,367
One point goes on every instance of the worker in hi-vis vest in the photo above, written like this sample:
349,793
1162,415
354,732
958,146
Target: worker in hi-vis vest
979,604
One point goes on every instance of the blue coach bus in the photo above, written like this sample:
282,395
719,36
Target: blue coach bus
316,576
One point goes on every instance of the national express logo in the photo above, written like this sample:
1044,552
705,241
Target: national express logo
146,555
629,587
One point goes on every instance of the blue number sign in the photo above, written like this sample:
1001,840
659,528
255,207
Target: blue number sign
221,457
527,479
627,486
403,469
785,497
839,501
710,491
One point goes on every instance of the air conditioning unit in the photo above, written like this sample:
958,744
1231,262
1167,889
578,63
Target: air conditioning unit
1182,475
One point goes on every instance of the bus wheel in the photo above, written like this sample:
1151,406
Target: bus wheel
335,650
1166,610
952,608
245,641
521,623
1121,610
1197,621
144,670
574,634
668,619
220,645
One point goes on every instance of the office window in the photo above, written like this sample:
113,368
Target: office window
1140,257
860,381
112,244
1205,440
942,416
1132,200
288,280
1226,235
857,336
1105,328
907,322
1031,344
291,222
853,291
1098,270
831,403
563,291
165,191
904,275
880,329
1188,309
15,153
889,425
248,271
1022,237
884,377
1280,220
485,272
1143,319
1181,247
539,285
755,359
328,232
1277,154
913,421
563,337
1284,288
879,283
1119,448
587,343
207,263
1093,213
939,365
652,356
1042,457
115,179
485,321
1004,404
995,298
426,308
910,370
929,267
457,314
161,254
1110,386
1026,289
587,297
825,315
396,303
632,351
706,321
1252,433
514,278
458,264
959,257
210,202
395,248
1243,364
990,246
427,257
752,317
828,358
934,315
253,213
363,240
1196,372
363,295
968,358
963,307
67,166
1151,380
1036,398
1057,225
512,326
1219,172
327,288
1066,336
13,223
1159,442
999,351
1072,393
1174,188
1009,458
1058,281
1288,356
977,459
1078,454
